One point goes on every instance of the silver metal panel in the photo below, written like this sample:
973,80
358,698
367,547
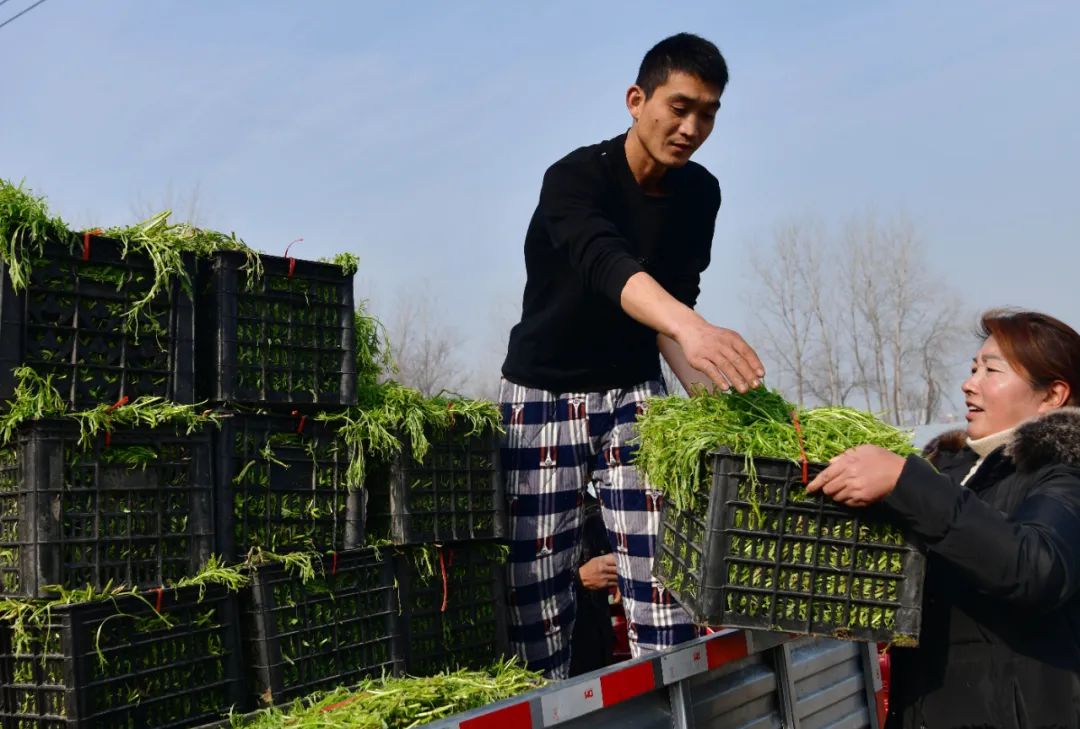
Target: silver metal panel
829,680
849,714
682,705
742,695
648,711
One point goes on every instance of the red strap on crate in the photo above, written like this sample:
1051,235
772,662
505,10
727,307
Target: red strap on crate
86,242
802,447
119,403
442,568
333,563
292,261
303,419
627,683
723,650
160,591
339,704
518,716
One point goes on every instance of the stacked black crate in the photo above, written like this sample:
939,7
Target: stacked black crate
276,349
446,510
88,509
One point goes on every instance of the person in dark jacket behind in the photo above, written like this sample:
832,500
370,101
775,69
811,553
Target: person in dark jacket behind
1000,518
593,639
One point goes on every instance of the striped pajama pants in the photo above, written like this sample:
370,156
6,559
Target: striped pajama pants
553,442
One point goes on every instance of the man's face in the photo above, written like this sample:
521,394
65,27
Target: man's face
676,119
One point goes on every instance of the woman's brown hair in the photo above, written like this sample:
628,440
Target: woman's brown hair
1041,348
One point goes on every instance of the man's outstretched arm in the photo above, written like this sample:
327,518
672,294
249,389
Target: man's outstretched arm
719,353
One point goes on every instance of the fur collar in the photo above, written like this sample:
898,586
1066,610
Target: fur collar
951,441
1053,437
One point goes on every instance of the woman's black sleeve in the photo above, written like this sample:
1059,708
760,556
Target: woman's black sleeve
1031,558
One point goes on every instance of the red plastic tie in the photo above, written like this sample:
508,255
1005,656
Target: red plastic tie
339,704
333,563
303,419
160,593
292,261
802,448
442,568
86,242
119,403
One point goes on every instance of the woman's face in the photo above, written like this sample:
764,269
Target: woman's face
996,395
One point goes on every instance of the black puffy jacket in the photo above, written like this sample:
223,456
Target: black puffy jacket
1000,643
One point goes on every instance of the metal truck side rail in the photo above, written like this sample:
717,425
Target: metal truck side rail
733,678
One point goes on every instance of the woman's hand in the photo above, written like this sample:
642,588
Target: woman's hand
859,476
599,573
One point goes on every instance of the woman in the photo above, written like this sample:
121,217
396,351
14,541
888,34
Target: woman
1000,518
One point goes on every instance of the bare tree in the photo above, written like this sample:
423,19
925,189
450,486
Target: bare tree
861,317
781,310
504,311
797,311
424,348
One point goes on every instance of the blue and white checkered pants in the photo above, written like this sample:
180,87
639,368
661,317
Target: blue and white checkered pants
553,442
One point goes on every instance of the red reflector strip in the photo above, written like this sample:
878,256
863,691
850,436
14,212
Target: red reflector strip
727,649
518,716
627,683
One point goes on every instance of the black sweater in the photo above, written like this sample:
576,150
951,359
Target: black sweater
593,229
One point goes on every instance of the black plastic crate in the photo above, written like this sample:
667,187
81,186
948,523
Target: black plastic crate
461,624
285,338
69,323
282,486
112,663
764,554
75,517
333,630
454,495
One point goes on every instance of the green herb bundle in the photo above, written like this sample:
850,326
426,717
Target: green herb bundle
36,398
399,703
677,433
25,225
386,414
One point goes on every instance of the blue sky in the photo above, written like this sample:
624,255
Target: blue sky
416,134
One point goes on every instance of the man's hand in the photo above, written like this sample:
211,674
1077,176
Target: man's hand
858,477
722,354
599,573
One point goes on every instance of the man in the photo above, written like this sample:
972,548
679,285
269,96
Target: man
614,254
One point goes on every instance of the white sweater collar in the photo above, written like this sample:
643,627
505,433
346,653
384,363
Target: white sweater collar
986,446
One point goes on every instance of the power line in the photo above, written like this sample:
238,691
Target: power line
18,15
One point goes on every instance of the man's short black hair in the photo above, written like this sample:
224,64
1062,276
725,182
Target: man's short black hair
684,52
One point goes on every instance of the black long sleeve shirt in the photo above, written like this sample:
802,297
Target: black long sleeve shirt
593,229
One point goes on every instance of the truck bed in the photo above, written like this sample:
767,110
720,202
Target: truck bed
734,678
